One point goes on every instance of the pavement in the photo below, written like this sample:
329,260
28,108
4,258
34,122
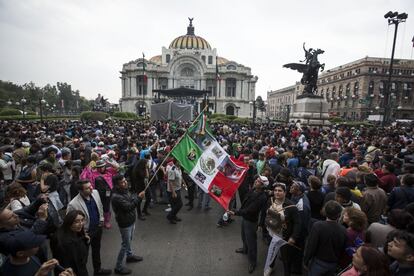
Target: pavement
194,246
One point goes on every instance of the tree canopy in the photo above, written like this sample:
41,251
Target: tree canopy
59,98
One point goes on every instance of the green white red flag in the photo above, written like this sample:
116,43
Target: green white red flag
208,164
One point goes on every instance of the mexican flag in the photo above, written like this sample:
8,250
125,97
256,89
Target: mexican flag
208,164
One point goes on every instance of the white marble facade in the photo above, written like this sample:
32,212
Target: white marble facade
188,62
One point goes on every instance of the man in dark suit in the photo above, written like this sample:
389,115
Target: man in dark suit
250,209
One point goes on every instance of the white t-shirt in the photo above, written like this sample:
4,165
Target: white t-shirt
174,176
17,204
6,168
329,167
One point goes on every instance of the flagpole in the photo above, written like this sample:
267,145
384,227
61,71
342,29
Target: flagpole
217,80
169,153
143,84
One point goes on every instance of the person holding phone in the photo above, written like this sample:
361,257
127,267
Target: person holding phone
70,243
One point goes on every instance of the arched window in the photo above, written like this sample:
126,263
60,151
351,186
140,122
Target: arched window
187,72
203,58
340,91
231,87
371,88
162,83
356,88
167,58
230,110
348,89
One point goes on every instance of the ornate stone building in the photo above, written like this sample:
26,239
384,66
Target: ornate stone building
189,62
356,90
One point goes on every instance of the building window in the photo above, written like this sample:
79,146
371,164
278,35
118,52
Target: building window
211,86
230,110
356,88
142,85
203,58
210,59
187,72
162,83
371,88
231,87
168,58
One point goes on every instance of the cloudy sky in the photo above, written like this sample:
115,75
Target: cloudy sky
85,42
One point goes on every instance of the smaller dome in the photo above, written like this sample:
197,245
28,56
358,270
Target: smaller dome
221,60
156,59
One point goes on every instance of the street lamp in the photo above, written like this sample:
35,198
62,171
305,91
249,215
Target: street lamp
23,101
394,18
237,110
46,109
41,103
253,103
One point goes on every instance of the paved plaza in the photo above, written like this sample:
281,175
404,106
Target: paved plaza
194,246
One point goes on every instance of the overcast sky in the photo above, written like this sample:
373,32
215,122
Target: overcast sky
85,42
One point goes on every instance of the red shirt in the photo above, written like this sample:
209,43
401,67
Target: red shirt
388,182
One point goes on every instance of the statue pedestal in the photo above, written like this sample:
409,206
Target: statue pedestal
310,110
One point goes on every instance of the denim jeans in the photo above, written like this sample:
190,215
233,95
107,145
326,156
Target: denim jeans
126,236
203,199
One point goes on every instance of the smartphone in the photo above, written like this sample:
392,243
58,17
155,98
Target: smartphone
59,268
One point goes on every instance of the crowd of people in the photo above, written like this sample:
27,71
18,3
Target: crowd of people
326,200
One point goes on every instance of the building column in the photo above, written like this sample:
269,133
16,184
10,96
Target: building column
149,87
129,86
123,86
134,90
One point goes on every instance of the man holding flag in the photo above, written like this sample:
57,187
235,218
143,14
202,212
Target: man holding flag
255,201
174,183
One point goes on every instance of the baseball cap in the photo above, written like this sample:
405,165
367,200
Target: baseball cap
264,180
16,241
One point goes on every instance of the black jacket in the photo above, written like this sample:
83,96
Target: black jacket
252,205
71,251
292,221
326,242
124,205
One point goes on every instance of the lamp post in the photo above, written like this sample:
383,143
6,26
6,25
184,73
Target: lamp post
394,18
253,103
46,109
23,102
41,103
